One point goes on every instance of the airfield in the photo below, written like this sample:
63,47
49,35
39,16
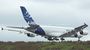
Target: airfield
69,45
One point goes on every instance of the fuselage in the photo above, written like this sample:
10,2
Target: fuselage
55,30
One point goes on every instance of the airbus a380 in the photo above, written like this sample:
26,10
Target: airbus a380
49,32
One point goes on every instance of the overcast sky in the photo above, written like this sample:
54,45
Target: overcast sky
68,13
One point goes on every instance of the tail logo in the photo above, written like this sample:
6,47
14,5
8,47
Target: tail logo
27,16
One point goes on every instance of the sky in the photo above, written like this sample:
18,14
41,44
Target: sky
66,13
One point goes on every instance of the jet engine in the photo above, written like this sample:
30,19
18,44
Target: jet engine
30,35
75,35
83,32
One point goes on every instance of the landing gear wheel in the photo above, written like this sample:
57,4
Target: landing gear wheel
76,35
50,39
62,39
56,38
1,28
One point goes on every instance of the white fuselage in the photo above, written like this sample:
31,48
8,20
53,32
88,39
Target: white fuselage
55,31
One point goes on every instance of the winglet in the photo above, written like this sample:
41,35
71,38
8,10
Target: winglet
81,27
85,24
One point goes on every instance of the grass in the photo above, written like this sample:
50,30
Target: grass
45,46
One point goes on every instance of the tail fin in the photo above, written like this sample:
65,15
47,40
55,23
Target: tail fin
27,16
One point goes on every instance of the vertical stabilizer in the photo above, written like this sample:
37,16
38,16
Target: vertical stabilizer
27,16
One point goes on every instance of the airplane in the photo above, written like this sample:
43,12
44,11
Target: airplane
49,32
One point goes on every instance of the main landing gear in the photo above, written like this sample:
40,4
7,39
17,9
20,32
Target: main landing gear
51,39
62,39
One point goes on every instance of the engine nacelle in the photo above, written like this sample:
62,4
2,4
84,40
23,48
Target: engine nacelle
83,32
75,35
30,35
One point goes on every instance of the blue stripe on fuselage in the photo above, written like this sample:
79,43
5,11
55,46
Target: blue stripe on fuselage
40,31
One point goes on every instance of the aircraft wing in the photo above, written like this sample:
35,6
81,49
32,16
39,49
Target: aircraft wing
21,30
16,27
15,30
74,31
80,28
